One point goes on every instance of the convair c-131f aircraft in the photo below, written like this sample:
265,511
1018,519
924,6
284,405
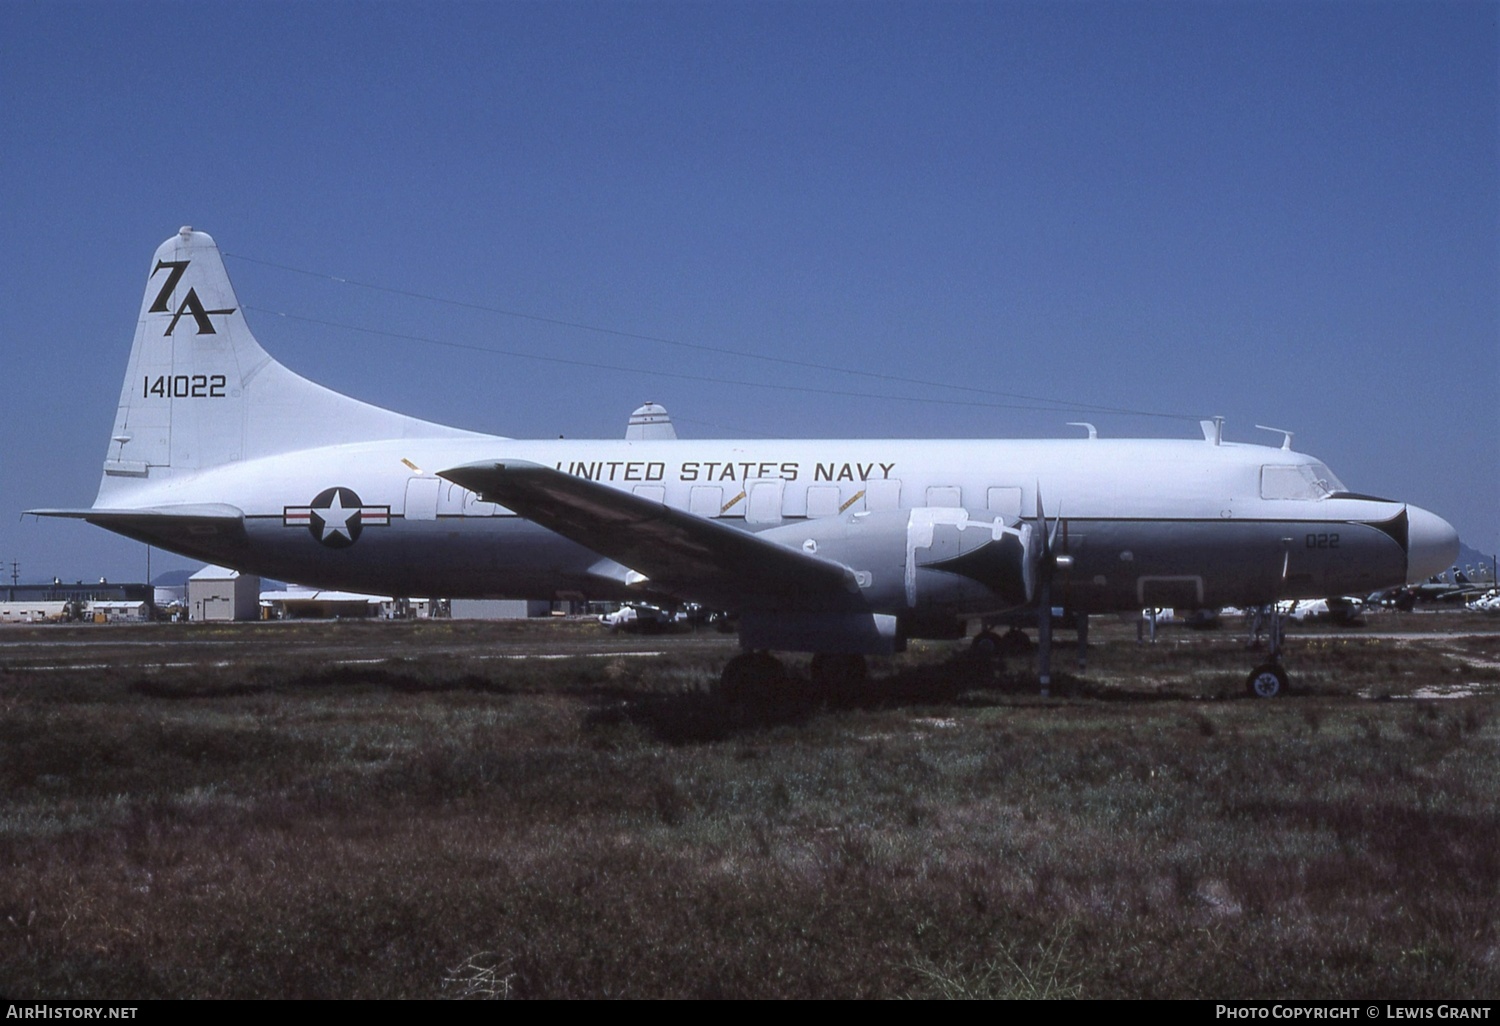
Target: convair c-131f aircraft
839,548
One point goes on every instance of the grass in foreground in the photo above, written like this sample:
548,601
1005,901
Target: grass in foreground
442,825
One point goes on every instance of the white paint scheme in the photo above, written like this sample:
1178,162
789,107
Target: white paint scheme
219,452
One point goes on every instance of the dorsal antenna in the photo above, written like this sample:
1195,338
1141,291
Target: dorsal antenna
1286,439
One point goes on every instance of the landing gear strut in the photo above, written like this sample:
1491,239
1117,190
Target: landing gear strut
1269,679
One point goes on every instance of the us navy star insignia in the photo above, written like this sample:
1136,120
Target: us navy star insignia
337,517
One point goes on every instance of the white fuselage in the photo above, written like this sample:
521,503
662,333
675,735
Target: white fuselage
1147,522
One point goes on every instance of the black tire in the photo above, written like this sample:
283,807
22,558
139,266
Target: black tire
1267,681
987,645
1016,642
841,679
752,678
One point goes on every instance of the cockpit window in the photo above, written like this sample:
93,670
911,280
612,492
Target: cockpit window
1299,481
1327,480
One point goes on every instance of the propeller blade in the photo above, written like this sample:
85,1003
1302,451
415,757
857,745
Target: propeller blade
1041,523
1047,558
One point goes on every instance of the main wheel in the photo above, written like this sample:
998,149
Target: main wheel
1266,681
841,678
1016,642
987,645
752,678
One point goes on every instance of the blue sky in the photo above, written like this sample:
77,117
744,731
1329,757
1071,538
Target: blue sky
1285,213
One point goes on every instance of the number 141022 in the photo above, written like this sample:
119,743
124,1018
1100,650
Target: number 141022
184,386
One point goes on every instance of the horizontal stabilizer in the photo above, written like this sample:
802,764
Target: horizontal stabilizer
678,553
203,511
216,529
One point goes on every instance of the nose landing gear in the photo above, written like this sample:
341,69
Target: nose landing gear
1269,679
1266,681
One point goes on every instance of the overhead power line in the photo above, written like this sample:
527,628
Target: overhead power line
1051,405
651,372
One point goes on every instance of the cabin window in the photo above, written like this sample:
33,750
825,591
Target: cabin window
1005,501
705,500
882,495
945,495
656,493
822,500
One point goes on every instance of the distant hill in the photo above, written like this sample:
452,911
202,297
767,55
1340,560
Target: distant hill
1468,557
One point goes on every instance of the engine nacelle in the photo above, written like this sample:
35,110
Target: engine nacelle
927,562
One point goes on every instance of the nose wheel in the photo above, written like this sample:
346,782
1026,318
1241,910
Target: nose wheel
1266,681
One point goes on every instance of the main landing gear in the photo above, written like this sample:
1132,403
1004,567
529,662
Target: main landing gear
752,678
760,679
990,646
1269,679
840,678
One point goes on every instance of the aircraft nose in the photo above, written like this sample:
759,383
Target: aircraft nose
1432,544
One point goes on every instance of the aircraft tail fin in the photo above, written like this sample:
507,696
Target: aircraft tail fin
200,391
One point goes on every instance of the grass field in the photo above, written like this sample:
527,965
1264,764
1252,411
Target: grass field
435,810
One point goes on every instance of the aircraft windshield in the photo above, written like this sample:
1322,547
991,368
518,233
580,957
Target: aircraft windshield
1300,481
1326,479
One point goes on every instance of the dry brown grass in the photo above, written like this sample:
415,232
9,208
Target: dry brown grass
451,824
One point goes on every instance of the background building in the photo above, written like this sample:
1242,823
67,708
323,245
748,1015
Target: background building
218,593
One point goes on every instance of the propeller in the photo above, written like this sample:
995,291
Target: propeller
1048,562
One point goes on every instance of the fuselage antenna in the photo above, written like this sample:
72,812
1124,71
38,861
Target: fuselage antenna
1286,440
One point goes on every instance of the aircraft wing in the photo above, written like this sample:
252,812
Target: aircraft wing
669,550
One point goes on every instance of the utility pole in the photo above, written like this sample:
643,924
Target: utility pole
15,573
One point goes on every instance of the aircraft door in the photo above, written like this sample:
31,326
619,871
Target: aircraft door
764,502
422,498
